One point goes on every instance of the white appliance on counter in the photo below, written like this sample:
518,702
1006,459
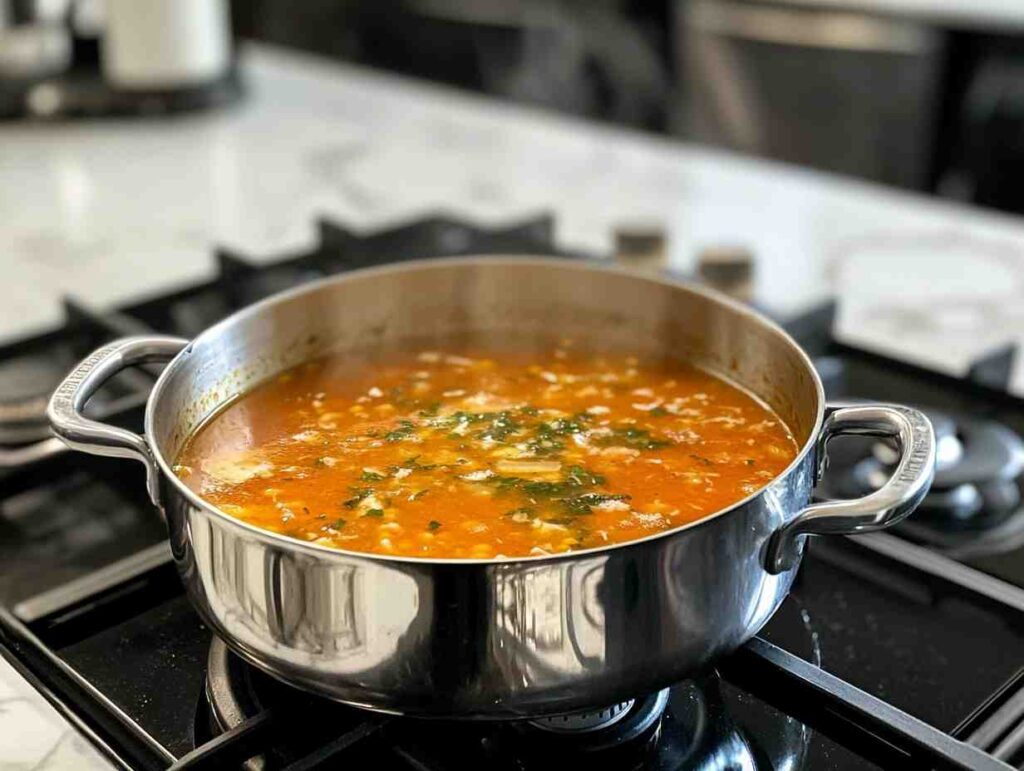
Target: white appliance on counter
88,58
155,44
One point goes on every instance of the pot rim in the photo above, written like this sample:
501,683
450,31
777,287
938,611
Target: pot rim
328,552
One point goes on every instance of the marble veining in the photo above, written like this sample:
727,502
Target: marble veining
33,735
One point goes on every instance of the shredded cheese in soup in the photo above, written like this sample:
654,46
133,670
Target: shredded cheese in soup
443,454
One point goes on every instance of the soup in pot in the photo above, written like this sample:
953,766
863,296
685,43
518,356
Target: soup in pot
472,454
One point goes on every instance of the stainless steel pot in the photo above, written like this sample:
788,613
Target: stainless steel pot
495,637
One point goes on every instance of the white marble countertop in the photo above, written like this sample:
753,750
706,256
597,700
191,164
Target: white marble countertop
112,211
34,736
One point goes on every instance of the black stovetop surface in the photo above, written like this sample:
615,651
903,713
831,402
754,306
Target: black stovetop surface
937,658
85,581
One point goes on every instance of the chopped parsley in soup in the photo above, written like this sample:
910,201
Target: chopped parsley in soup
474,454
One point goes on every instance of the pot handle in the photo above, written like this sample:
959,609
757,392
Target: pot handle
81,433
887,505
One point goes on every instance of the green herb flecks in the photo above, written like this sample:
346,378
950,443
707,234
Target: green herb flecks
374,513
358,494
404,430
413,464
433,525
578,476
583,504
565,502
636,438
549,437
522,514
502,426
453,420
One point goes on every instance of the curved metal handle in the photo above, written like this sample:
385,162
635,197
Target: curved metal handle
81,433
887,505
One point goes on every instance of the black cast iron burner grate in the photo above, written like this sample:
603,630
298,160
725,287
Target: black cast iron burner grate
142,581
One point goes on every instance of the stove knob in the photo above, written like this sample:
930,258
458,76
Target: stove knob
641,246
729,269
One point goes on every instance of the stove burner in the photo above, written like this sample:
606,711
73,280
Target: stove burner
27,376
991,453
236,691
583,722
621,736
949,449
976,478
702,723
626,731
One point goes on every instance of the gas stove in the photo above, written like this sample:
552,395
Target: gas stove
895,650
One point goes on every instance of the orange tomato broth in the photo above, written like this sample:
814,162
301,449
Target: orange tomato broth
479,454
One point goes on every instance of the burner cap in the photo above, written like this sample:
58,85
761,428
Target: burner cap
990,452
588,720
976,479
949,449
626,729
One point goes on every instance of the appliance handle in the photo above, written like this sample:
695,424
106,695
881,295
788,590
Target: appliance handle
887,505
81,433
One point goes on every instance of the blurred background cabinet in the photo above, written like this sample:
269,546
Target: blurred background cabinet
926,95
834,90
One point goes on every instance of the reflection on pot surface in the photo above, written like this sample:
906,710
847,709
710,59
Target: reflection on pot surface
549,620
348,613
